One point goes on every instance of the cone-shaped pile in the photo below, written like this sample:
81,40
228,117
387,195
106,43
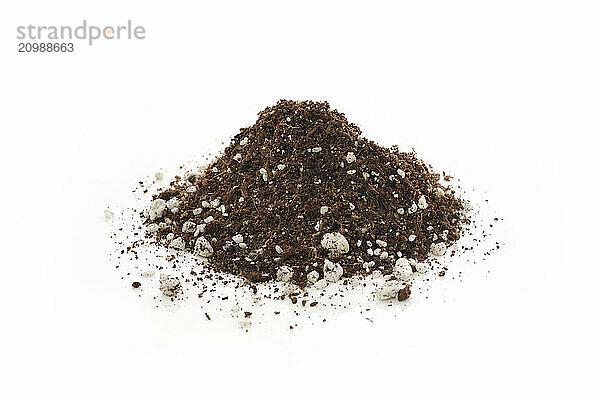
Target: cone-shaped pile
267,208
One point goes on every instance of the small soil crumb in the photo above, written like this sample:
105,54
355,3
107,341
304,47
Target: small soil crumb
136,285
170,287
404,293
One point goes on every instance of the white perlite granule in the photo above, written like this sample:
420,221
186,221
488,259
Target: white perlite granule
152,228
421,268
238,239
321,284
263,173
318,225
178,244
332,272
388,290
312,277
350,158
368,265
203,247
108,215
148,273
188,227
157,208
324,210
381,243
173,204
412,209
335,243
197,211
284,274
422,203
438,249
402,269
169,286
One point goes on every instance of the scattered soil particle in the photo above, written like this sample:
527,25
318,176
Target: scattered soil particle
136,285
404,293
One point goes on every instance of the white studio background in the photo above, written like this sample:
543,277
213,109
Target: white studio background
505,94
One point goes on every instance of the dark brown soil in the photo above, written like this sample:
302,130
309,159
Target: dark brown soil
404,293
273,181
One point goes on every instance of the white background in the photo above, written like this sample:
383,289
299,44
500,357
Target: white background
503,93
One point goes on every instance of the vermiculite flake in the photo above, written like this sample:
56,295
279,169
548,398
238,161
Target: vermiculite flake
295,198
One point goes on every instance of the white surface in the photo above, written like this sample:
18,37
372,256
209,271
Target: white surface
502,94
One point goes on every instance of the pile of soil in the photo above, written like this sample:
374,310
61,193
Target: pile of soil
301,196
